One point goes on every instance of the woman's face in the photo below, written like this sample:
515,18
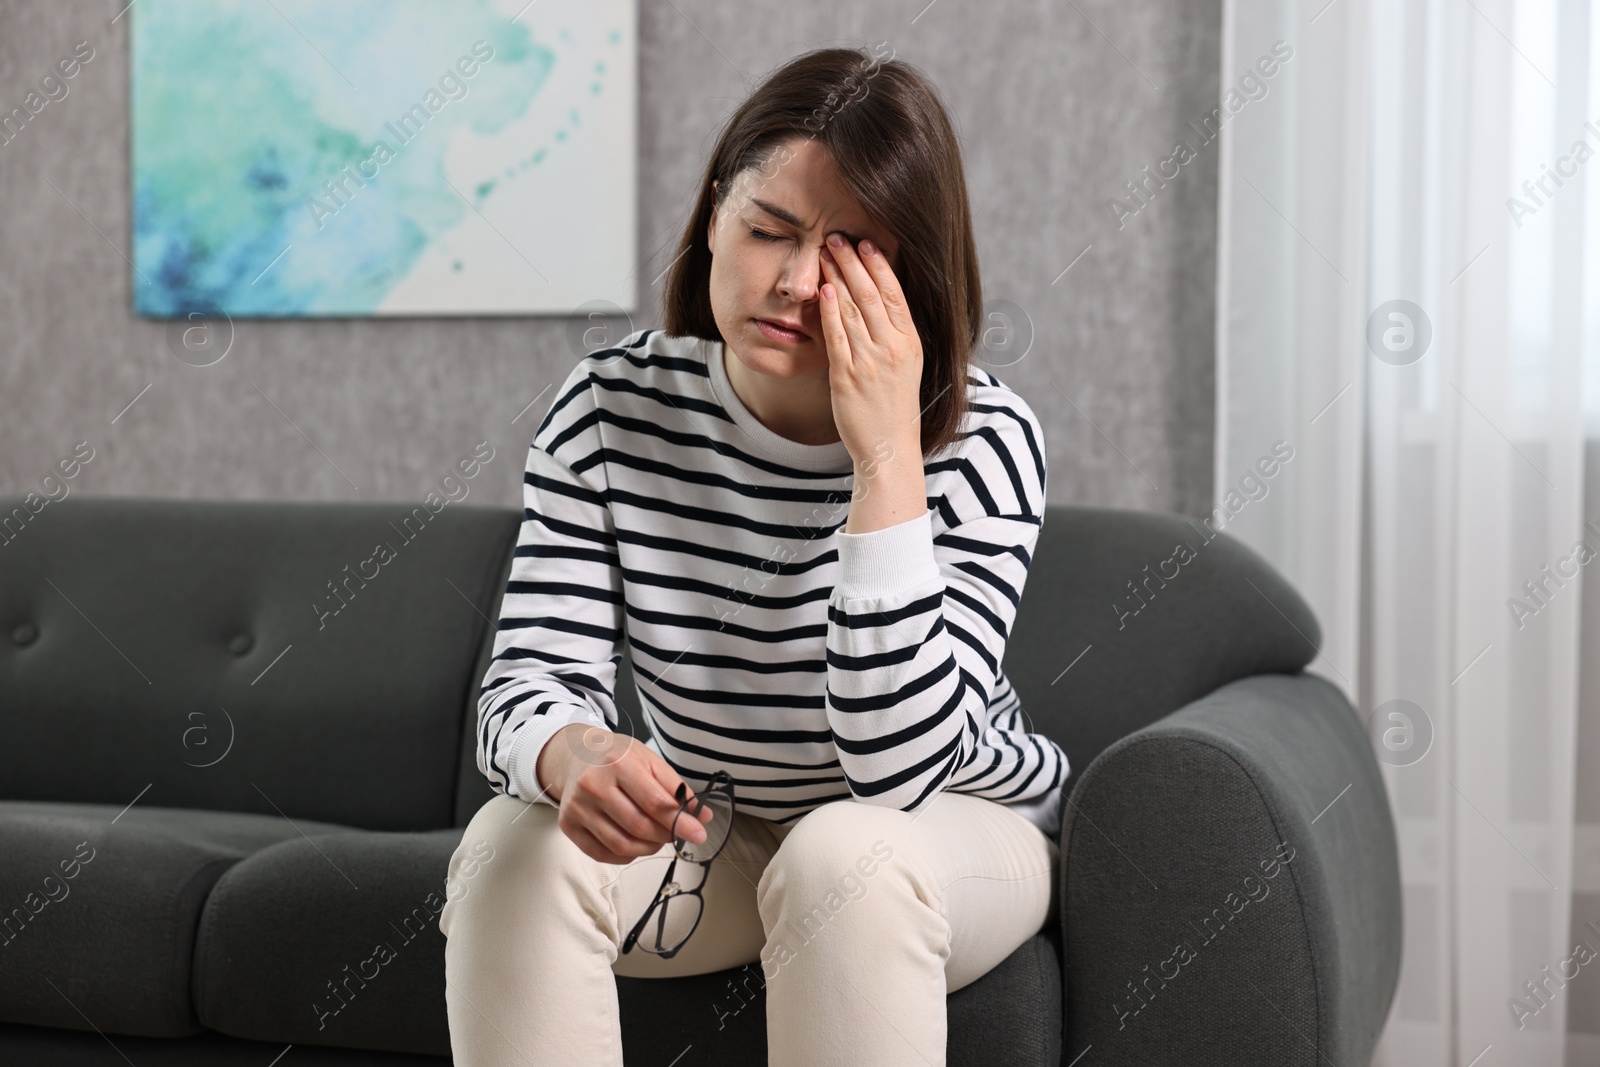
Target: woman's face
766,243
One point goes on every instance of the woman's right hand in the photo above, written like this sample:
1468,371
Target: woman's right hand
617,796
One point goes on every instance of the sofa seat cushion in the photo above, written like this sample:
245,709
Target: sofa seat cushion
337,942
331,942
101,903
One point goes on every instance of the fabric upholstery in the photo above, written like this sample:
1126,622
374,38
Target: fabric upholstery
472,788
149,625
1169,844
1090,670
289,943
49,1047
102,904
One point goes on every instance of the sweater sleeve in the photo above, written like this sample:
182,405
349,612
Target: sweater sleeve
918,622
558,646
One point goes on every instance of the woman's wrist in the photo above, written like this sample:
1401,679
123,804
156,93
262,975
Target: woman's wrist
550,770
889,489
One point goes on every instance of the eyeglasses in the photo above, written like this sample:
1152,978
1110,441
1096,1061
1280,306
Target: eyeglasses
678,908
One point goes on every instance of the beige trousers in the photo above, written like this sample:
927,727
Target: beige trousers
862,917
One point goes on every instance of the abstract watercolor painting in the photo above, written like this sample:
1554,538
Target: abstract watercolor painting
383,157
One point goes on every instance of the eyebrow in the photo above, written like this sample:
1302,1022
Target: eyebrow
792,219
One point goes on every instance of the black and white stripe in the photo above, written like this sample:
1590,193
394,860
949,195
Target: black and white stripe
811,664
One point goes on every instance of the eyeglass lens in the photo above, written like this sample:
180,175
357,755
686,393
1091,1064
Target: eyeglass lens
721,805
673,921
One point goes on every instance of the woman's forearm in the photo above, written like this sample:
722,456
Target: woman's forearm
889,489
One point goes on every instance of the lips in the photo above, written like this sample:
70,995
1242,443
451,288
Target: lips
780,324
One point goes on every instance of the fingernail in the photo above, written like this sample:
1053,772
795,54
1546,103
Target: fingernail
867,247
836,240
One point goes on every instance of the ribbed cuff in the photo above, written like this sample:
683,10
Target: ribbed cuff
891,560
522,758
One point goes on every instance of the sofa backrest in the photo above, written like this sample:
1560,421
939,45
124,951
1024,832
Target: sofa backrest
1129,615
308,659
323,660
1091,658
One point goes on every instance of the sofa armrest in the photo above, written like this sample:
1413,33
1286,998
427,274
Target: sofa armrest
1231,885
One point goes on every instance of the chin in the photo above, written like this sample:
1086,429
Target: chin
765,356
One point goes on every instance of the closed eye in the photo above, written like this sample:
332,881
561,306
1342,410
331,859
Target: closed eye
762,235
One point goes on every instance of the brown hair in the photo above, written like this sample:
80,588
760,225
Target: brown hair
895,149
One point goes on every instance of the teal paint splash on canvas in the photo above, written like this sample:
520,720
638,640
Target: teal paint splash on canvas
306,159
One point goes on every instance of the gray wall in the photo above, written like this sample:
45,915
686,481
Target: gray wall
1058,106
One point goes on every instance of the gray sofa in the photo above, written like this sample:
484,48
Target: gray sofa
228,797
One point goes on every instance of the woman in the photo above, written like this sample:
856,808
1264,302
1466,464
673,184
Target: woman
815,517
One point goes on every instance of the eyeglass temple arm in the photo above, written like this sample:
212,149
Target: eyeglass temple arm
638,927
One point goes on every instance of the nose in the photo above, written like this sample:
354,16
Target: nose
801,279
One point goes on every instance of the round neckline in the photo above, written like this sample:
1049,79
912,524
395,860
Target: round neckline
834,456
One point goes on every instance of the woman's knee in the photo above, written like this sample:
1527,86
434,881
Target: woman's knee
509,845
835,855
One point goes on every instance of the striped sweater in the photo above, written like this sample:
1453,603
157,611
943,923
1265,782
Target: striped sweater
812,664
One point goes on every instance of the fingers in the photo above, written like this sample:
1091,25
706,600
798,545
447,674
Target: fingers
598,823
894,298
669,780
833,331
602,800
863,282
686,827
591,847
654,803
618,811
849,298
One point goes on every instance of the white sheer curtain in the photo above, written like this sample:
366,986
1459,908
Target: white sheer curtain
1427,346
